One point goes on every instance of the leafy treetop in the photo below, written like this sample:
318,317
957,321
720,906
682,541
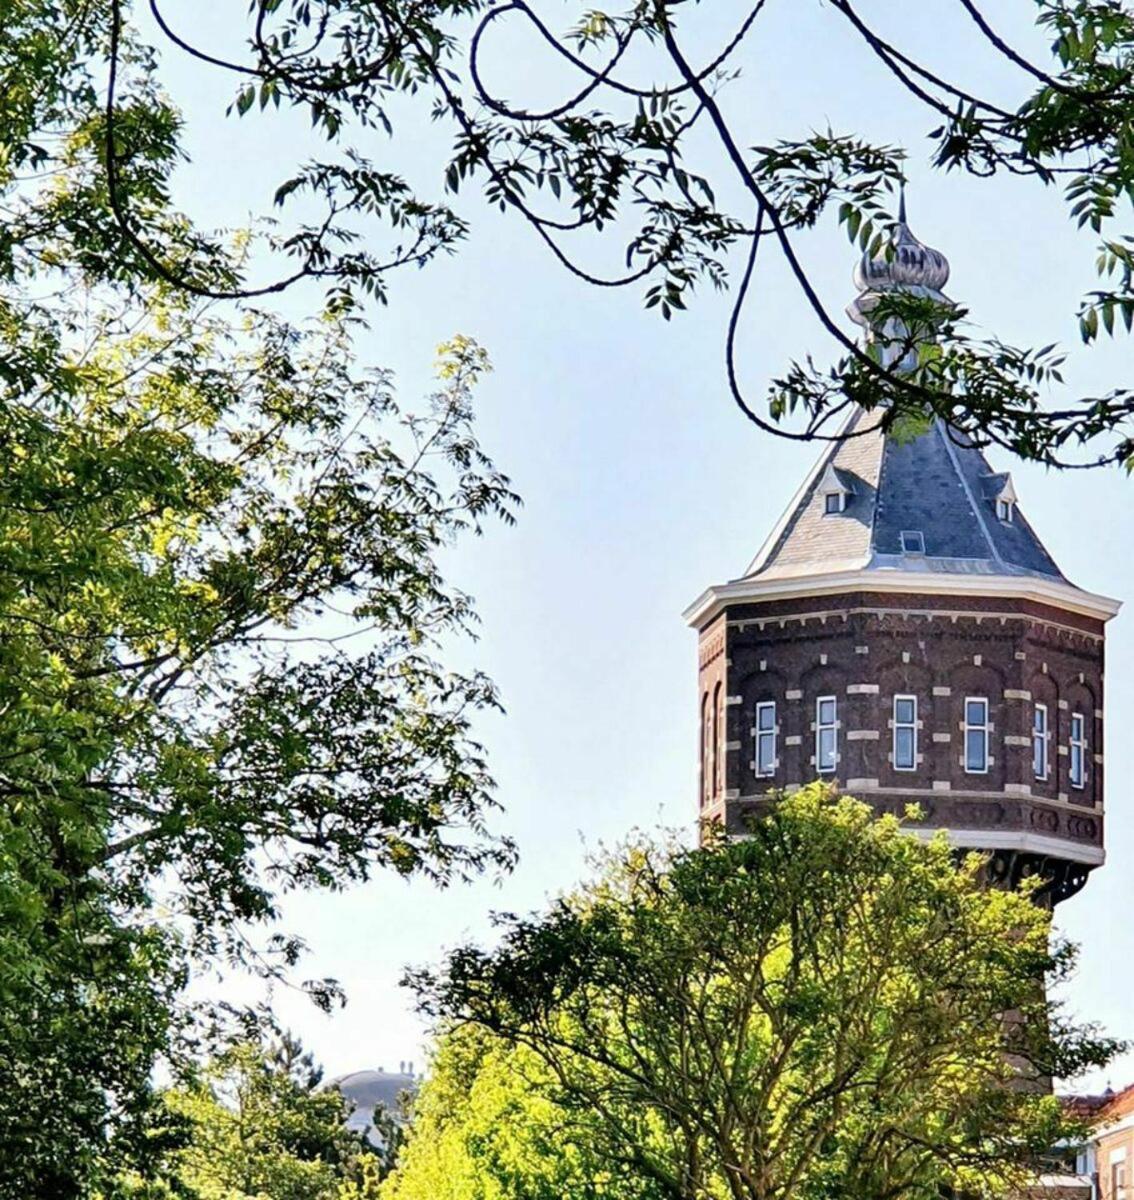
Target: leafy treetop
818,1009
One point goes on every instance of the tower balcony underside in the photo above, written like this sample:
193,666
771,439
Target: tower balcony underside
982,707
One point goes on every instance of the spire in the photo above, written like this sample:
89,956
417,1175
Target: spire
905,265
878,503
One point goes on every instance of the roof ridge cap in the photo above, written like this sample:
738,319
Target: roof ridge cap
791,511
951,450
882,456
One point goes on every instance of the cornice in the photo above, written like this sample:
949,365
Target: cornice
1036,588
1010,839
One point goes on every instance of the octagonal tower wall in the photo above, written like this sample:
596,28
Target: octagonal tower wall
864,649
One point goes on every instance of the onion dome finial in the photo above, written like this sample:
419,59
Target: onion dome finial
907,262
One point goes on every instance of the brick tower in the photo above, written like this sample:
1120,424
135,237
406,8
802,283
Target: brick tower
904,632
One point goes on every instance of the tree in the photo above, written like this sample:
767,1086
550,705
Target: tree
486,1127
641,156
254,1123
220,611
818,1009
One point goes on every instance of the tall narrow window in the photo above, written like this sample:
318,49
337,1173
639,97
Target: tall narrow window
976,735
706,751
826,734
766,738
905,733
1118,1180
716,743
1039,741
1078,750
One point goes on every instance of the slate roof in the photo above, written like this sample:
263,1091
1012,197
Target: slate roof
937,484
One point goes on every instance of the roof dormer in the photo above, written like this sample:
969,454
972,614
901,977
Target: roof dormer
1000,491
836,489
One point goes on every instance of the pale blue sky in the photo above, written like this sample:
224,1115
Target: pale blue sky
642,484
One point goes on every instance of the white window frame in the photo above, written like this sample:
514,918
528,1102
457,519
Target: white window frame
766,735
840,499
982,729
1004,511
1118,1177
1041,743
822,727
910,725
1078,744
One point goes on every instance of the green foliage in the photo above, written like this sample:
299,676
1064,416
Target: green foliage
254,1124
815,1010
220,610
647,158
220,607
629,159
486,1127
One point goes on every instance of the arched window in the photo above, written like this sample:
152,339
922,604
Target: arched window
717,731
705,734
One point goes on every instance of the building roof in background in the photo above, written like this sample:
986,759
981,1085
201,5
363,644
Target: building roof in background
368,1090
1103,1108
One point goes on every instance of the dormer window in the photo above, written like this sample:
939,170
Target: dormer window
836,488
1003,495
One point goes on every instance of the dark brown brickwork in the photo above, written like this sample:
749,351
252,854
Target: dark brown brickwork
864,649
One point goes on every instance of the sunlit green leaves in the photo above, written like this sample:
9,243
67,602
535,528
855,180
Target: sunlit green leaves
220,619
254,1122
813,1009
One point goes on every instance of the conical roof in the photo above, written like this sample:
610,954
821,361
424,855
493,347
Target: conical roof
926,504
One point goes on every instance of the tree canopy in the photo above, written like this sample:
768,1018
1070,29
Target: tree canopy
830,1006
639,150
222,616
220,611
254,1122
